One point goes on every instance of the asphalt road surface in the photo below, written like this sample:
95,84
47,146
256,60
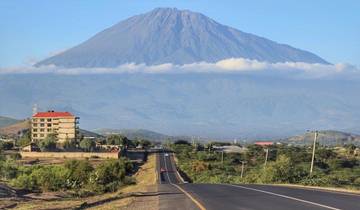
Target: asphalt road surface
179,195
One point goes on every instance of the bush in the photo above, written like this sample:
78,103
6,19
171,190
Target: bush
50,178
8,170
78,173
25,181
15,156
110,175
6,145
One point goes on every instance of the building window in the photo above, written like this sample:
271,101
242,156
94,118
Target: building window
49,125
42,120
35,125
49,130
49,120
35,130
34,135
42,124
42,130
41,135
34,120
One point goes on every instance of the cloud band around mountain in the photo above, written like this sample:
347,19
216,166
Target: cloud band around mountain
231,65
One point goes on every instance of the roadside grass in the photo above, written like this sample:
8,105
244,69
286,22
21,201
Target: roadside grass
145,177
56,161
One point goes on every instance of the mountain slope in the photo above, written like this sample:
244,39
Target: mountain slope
207,105
16,128
326,137
135,133
5,121
167,35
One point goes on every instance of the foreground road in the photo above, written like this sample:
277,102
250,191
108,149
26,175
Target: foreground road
214,196
260,197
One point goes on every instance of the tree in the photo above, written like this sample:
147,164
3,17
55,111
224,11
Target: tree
117,140
88,145
25,139
110,174
49,143
69,145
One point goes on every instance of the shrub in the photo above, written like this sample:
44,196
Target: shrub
78,173
8,170
25,181
50,178
5,145
15,156
110,175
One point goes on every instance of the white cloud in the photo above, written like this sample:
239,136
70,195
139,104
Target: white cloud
232,65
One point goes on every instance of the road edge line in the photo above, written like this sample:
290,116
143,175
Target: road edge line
177,172
191,197
284,196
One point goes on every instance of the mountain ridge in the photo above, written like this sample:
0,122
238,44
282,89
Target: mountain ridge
169,35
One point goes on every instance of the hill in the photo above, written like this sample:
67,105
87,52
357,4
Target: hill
169,35
5,121
326,137
136,133
87,133
15,129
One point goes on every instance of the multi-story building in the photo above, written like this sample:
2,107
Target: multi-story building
62,124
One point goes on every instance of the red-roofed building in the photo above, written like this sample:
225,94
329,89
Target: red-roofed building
264,143
62,124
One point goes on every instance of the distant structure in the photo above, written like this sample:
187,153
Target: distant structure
35,109
264,143
63,124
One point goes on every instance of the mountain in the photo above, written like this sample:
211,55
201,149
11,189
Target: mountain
13,130
218,105
136,133
87,133
5,121
169,35
326,137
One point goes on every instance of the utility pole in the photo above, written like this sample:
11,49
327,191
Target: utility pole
242,169
266,156
313,153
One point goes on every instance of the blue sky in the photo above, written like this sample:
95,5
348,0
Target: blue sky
32,30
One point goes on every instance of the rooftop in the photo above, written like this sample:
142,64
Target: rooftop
53,114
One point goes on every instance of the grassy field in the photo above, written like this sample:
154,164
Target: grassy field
123,198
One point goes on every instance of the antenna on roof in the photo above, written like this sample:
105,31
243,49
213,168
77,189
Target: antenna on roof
35,109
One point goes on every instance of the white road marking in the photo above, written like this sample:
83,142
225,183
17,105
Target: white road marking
284,196
166,168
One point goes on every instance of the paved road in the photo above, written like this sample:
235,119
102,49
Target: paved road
172,197
249,197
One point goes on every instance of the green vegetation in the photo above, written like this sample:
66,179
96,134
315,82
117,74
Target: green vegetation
25,139
48,144
77,176
88,145
286,164
117,140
